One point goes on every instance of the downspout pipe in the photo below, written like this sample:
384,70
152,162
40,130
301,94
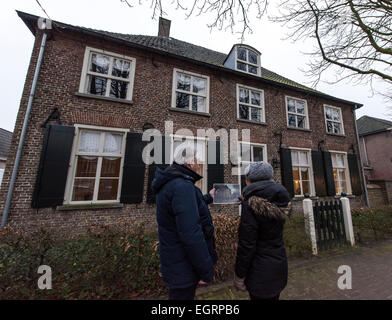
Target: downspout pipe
360,159
23,134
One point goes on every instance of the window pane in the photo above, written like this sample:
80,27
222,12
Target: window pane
297,187
295,174
304,174
329,127
183,82
198,103
244,112
257,153
199,85
241,54
182,100
89,141
303,158
252,57
342,176
300,107
255,98
255,114
241,66
290,105
113,143
99,63
292,120
108,189
336,128
328,113
83,190
110,167
305,187
244,95
97,85
121,68
86,166
252,69
118,89
332,114
294,157
300,122
245,152
343,187
337,187
339,160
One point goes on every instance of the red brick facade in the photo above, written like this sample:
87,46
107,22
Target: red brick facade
58,84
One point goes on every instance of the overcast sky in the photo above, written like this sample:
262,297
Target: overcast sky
278,55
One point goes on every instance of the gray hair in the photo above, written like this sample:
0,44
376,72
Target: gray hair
186,153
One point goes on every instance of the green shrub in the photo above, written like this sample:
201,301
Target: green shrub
372,223
116,262
296,240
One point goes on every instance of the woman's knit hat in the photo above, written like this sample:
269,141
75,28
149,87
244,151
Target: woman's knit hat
258,171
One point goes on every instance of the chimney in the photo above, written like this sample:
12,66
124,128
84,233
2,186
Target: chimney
164,27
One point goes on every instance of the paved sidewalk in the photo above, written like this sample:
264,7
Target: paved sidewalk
317,278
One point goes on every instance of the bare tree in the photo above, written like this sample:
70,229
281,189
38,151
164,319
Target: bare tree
353,37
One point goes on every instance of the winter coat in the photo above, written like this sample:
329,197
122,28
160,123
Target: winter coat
186,233
261,256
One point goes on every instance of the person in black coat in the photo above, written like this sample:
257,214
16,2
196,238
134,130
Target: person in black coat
261,262
186,232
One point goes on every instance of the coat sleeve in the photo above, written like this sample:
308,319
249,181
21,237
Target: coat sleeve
247,239
207,198
185,209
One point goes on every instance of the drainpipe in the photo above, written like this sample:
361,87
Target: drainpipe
23,134
360,158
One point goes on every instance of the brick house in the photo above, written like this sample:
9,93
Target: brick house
85,166
375,136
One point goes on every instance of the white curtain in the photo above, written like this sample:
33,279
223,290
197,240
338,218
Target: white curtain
89,141
113,143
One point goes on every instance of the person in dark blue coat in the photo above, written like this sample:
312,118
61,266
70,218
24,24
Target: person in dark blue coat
186,232
261,263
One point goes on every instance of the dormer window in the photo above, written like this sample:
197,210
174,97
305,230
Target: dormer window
247,60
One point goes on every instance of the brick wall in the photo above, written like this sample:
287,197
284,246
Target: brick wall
59,81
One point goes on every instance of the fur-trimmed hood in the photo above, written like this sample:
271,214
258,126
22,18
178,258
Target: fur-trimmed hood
264,208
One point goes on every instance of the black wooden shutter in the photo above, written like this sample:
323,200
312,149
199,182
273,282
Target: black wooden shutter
243,182
287,170
354,174
133,169
152,168
53,166
319,173
215,171
330,181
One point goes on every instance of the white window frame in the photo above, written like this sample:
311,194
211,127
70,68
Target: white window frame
205,164
247,60
311,174
262,102
73,163
340,122
175,90
346,169
306,114
86,72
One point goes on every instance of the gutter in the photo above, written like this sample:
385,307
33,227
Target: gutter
360,160
23,134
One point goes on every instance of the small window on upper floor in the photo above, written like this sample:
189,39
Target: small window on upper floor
107,74
247,60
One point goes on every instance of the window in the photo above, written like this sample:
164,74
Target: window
297,113
190,91
340,172
107,74
247,60
250,104
302,172
333,120
97,166
1,175
200,146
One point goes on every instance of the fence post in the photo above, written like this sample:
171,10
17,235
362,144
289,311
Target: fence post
309,222
348,223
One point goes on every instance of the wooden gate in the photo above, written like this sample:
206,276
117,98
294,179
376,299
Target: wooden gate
329,224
